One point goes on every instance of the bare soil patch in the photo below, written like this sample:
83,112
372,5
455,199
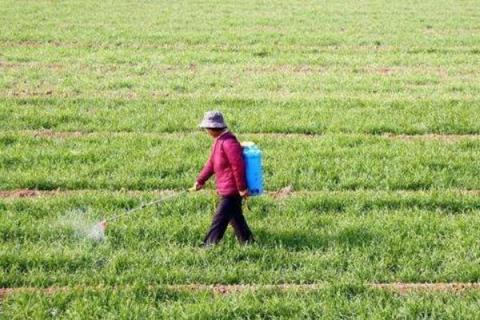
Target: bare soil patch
20,193
405,288
448,138
280,194
400,288
56,134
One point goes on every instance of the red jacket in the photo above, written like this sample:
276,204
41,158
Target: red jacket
226,163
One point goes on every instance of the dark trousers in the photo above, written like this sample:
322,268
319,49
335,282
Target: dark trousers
229,210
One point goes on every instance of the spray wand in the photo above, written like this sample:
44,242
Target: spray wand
103,224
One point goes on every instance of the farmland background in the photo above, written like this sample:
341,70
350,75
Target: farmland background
368,109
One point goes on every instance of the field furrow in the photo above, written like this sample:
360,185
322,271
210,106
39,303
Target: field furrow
403,288
47,133
331,302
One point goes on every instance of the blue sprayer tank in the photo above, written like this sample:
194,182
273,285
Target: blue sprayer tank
253,168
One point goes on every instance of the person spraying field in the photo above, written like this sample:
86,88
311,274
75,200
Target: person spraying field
227,163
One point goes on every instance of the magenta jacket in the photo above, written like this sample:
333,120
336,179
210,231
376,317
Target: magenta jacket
226,163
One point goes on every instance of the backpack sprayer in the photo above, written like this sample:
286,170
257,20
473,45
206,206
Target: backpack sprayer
253,168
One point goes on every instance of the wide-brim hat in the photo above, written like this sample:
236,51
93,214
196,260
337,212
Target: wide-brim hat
213,120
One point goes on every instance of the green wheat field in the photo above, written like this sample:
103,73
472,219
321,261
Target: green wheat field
367,112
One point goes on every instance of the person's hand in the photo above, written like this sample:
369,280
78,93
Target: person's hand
196,186
244,193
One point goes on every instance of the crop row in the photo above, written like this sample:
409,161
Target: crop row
248,23
342,115
339,301
388,237
165,161
233,81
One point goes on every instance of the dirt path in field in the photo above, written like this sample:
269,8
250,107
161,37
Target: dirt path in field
405,288
34,193
447,138
22,193
280,194
400,288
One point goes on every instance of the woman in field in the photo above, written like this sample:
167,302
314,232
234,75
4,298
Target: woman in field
226,163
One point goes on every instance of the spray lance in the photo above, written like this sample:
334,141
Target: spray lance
102,225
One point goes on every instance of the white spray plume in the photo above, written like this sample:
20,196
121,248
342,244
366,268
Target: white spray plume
83,225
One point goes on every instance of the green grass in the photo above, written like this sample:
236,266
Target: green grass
359,236
135,78
246,115
340,301
333,162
